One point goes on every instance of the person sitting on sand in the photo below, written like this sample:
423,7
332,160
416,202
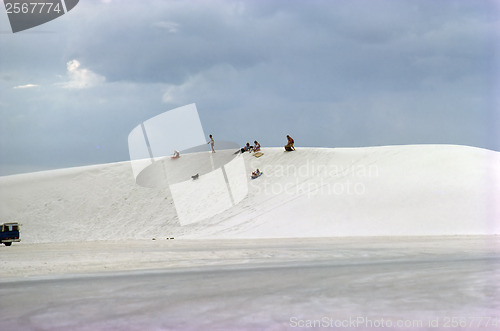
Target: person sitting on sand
256,173
256,146
290,142
247,148
176,155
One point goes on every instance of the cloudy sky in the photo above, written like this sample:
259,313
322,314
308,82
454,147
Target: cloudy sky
337,73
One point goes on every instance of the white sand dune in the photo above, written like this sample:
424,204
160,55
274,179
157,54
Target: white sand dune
83,263
313,192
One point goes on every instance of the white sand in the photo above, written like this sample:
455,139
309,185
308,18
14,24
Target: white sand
431,213
263,284
378,191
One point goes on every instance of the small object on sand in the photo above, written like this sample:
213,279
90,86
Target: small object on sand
195,177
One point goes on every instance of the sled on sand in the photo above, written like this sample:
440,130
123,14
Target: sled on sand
257,175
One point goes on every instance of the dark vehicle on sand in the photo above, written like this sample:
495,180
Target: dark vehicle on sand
9,233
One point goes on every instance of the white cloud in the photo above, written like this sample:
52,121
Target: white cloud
204,83
80,78
175,93
171,27
25,86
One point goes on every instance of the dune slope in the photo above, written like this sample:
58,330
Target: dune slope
312,192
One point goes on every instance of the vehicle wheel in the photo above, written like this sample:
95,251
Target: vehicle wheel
8,244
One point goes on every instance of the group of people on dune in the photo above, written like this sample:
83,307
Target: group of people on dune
246,148
256,146
250,149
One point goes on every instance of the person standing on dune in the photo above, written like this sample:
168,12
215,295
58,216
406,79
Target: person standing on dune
212,142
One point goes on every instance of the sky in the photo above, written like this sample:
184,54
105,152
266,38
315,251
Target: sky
337,73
